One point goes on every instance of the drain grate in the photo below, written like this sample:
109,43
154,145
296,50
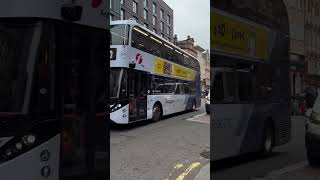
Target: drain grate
205,153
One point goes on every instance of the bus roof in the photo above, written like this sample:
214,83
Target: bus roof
94,12
135,23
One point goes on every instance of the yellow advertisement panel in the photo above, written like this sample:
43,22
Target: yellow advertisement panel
233,36
159,66
180,72
165,68
191,75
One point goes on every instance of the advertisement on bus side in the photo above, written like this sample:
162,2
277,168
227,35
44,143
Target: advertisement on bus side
235,36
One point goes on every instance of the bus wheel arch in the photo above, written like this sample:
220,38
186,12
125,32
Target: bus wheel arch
157,111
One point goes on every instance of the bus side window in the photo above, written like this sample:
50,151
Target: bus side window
157,84
178,89
183,88
217,87
169,86
178,57
229,86
245,86
187,88
155,46
139,39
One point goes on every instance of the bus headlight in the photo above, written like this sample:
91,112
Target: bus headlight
17,145
28,140
117,106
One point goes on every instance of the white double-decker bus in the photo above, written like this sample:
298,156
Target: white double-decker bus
53,84
150,77
249,86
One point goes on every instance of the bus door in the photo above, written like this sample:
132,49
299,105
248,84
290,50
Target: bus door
137,95
81,77
225,112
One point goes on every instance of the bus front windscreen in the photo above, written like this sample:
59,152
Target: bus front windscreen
15,43
119,34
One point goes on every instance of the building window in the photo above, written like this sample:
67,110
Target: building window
161,26
169,39
145,3
154,20
155,31
135,7
168,30
154,6
161,14
145,14
121,1
145,25
168,19
162,35
122,14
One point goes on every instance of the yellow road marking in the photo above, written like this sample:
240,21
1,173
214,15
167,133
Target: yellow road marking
178,166
188,170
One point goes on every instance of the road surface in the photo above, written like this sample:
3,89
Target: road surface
174,148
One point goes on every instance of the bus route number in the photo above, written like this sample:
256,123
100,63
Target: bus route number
219,30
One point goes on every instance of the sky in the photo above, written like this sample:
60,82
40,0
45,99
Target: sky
192,17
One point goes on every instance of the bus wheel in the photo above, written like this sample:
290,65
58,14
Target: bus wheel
156,112
268,141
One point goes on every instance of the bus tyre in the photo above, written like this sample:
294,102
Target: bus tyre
156,112
268,141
